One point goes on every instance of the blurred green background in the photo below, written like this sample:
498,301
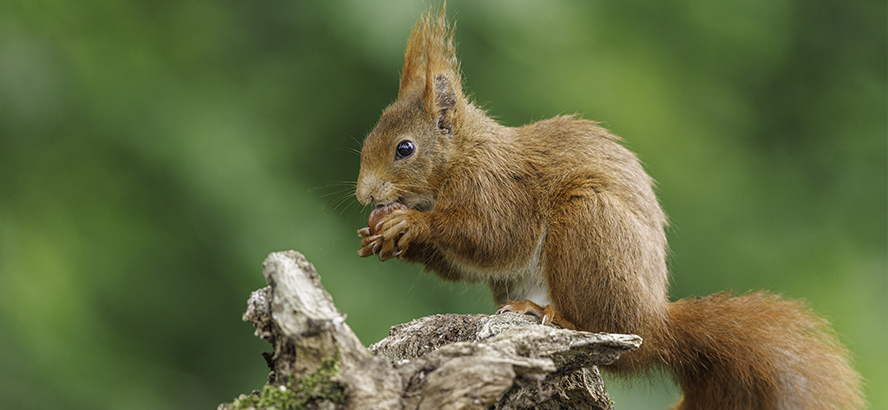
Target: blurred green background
153,153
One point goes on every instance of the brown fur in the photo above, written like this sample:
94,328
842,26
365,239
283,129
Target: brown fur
558,211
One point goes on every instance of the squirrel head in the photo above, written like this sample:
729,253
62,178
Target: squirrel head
405,156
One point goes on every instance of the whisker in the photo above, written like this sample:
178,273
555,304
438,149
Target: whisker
341,197
358,143
349,149
347,184
339,183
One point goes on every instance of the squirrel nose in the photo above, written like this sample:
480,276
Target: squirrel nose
365,197
372,190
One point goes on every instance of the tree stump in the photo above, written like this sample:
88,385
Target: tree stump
505,361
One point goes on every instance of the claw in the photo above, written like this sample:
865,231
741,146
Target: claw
369,240
504,308
388,250
547,315
546,319
390,236
524,307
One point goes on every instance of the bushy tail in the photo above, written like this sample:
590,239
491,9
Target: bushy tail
756,351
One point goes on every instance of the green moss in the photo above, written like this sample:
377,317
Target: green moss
297,392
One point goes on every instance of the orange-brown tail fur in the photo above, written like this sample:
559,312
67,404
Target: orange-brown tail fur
755,351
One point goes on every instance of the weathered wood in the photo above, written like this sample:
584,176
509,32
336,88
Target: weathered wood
503,361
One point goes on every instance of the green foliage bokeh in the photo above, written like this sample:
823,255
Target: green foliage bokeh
153,153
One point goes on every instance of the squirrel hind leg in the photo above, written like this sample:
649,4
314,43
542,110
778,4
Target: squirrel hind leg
548,314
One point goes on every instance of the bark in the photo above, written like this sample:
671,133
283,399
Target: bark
505,361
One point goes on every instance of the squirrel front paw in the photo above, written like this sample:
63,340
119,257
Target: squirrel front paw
391,236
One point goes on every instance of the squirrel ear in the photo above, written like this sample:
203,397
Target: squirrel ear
430,66
445,99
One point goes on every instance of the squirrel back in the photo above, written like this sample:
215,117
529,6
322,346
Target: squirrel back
562,221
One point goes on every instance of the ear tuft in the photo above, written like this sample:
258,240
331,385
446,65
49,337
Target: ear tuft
413,73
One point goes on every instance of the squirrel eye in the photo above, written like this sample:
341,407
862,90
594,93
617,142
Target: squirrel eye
405,149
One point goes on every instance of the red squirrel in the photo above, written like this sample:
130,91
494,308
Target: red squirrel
562,222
